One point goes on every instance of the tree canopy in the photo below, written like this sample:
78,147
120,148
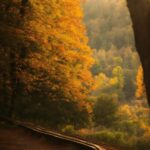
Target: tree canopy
45,59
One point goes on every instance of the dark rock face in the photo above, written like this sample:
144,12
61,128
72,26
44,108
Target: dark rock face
140,15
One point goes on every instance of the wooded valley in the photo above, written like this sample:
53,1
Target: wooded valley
72,66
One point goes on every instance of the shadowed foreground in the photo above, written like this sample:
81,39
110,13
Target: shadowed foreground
25,136
18,139
15,138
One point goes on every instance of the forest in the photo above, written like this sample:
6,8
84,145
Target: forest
72,66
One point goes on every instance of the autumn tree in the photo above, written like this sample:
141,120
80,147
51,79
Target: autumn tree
140,91
118,77
48,57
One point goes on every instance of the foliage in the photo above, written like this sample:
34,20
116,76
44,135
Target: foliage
110,33
140,92
47,74
108,23
144,141
105,110
69,129
45,60
129,131
113,138
115,73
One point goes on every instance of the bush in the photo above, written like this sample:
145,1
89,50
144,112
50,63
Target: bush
105,111
143,143
55,114
128,126
113,138
108,136
69,129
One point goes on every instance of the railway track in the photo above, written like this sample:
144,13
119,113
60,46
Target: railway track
81,144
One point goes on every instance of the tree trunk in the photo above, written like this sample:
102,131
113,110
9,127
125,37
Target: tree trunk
140,15
13,79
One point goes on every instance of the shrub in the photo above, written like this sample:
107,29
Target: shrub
143,143
127,126
105,111
69,129
114,138
108,136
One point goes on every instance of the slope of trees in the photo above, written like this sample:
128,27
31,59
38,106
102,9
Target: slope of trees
108,24
115,73
110,34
